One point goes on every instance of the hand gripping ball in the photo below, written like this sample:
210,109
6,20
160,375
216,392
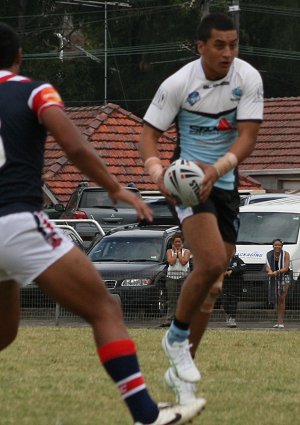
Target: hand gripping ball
183,179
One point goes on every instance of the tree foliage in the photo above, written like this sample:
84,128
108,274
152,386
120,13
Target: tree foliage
146,42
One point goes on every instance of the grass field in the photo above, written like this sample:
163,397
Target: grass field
51,376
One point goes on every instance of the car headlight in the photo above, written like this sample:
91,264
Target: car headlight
136,282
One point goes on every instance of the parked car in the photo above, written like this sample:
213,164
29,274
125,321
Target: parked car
74,236
162,214
93,202
31,295
263,197
260,223
54,211
132,262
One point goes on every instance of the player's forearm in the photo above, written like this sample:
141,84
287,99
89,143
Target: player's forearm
245,143
148,142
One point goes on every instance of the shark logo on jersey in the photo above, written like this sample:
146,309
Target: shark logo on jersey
237,93
193,98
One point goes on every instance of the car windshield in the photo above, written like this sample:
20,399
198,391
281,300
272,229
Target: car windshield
264,199
260,228
127,249
99,199
160,207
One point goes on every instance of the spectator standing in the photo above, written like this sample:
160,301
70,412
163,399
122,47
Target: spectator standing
233,279
32,249
178,259
278,271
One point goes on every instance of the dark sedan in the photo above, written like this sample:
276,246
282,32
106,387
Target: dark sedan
132,262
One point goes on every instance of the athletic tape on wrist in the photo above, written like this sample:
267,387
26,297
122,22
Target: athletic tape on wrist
151,160
226,163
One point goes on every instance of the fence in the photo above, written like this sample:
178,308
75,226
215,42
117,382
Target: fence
146,301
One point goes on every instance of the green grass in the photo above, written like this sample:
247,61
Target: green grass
52,376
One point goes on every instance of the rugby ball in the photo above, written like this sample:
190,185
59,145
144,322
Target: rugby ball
183,179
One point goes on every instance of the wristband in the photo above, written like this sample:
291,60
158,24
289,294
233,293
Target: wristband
226,163
154,168
151,159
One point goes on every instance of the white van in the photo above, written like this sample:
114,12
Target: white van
263,197
261,223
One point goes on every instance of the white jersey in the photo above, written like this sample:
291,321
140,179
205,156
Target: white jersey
178,270
206,112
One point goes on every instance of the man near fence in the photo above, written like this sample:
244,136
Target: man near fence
233,279
31,248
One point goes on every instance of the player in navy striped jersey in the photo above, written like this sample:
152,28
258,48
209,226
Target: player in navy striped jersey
31,248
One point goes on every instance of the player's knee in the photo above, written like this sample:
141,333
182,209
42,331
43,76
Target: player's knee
116,304
109,310
210,271
209,302
219,268
216,289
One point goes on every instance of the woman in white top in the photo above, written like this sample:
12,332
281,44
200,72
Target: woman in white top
178,260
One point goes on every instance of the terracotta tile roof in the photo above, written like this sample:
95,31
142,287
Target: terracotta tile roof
278,144
248,183
114,133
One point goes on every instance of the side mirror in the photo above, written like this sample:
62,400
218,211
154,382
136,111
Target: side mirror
59,207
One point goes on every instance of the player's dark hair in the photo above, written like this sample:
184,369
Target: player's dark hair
214,21
9,46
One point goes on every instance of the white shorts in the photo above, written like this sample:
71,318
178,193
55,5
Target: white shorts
29,244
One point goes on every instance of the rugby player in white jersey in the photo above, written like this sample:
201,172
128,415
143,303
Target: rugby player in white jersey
216,103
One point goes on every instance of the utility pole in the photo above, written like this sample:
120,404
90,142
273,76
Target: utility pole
99,3
234,9
205,8
61,45
202,4
105,53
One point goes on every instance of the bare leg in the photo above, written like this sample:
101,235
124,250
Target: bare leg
202,315
9,312
210,260
281,306
198,328
74,283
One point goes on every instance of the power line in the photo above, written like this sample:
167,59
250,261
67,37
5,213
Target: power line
117,51
270,10
160,48
270,53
